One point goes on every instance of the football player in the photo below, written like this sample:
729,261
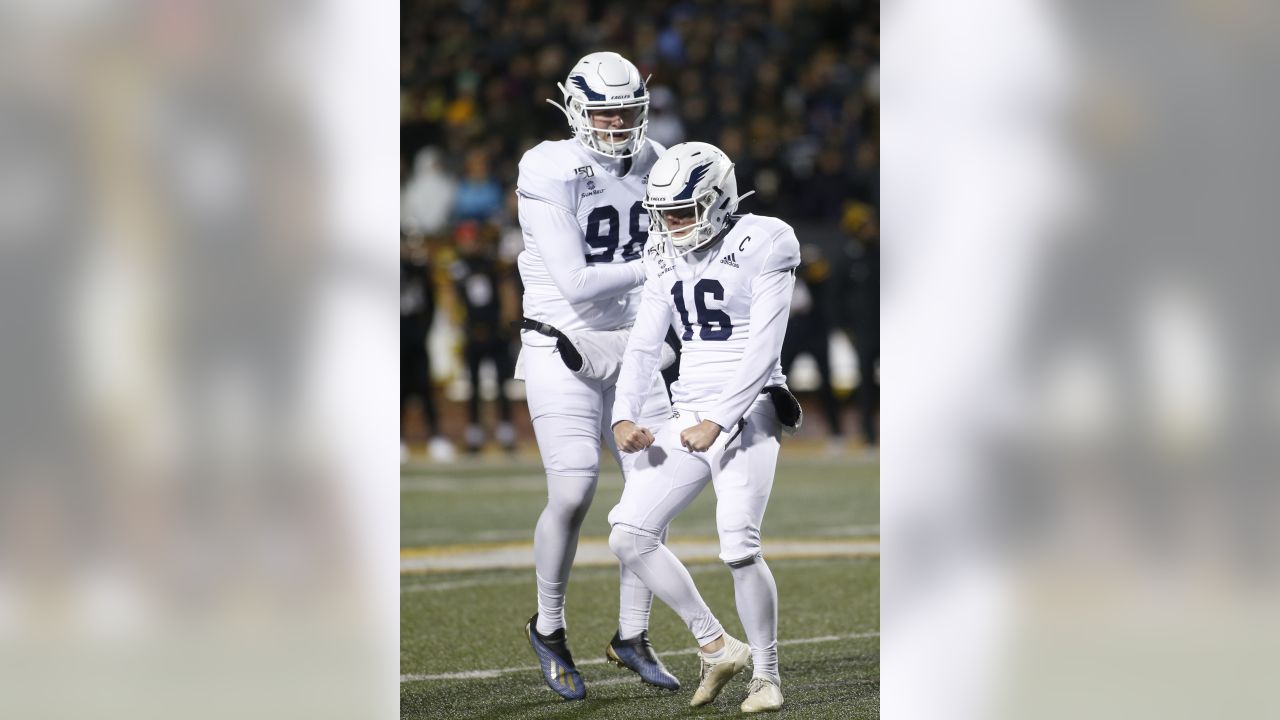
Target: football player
584,229
726,280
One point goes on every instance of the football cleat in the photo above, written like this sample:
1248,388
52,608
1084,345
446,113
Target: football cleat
637,655
718,672
762,696
556,661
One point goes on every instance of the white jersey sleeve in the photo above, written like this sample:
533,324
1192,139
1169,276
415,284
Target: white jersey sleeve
538,180
642,358
583,230
556,238
770,305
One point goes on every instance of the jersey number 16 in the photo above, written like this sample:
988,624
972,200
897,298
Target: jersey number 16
715,323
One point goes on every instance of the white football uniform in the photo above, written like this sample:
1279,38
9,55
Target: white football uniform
584,232
730,304
582,237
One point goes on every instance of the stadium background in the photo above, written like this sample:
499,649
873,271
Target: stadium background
788,89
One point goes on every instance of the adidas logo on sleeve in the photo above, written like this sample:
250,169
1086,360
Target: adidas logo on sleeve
729,260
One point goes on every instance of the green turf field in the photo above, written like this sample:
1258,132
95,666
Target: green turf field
463,650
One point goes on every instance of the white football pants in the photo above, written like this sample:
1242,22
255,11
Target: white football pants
570,416
740,466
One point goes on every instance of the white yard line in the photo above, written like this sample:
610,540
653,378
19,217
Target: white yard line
499,672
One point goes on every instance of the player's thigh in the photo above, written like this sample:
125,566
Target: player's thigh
663,480
566,411
743,473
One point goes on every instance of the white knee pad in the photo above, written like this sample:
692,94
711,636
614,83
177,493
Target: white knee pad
569,497
739,540
629,544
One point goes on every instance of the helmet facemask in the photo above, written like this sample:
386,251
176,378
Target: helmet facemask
707,213
694,227
612,142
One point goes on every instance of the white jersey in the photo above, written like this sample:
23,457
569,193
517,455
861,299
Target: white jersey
584,229
729,305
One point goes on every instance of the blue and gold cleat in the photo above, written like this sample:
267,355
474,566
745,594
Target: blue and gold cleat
638,656
556,661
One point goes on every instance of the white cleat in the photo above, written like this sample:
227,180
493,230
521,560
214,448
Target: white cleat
763,696
717,673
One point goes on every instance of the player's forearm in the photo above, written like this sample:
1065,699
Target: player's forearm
592,282
770,302
641,358
558,241
638,367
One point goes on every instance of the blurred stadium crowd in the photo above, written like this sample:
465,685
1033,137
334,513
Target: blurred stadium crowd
789,89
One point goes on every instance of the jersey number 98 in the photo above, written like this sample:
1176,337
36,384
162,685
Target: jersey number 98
604,241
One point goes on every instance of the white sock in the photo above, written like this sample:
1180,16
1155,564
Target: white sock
635,601
550,606
662,571
555,542
757,599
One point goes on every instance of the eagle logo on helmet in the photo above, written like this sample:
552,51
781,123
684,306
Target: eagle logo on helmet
695,177
581,83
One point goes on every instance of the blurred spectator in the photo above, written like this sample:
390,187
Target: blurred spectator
417,309
485,292
665,126
793,77
860,311
866,174
479,195
427,197
809,329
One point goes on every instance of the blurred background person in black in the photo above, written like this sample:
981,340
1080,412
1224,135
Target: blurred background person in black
417,311
487,298
809,330
860,310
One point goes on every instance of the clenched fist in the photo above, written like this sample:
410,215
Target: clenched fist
631,437
700,437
